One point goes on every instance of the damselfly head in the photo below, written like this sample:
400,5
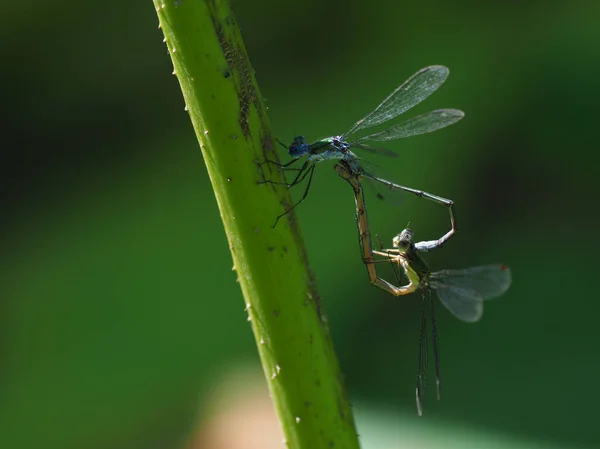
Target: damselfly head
403,240
298,147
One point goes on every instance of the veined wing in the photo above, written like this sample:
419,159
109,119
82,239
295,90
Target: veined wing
463,291
489,281
421,124
412,92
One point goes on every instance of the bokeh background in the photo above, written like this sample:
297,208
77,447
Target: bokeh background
121,324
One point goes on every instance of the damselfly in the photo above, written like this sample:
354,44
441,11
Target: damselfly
412,92
461,291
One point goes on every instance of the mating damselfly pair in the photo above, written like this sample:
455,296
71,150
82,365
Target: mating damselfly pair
461,291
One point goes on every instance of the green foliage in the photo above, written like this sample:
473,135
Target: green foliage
283,305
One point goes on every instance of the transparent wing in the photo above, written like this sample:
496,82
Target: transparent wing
488,281
422,124
464,304
381,151
463,291
412,92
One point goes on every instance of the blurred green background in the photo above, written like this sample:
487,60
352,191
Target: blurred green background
119,309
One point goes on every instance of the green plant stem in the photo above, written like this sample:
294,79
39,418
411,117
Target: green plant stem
228,116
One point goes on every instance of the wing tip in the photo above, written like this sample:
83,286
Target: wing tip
457,114
438,67
440,70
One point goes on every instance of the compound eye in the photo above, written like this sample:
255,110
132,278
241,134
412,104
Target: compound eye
403,240
403,244
298,147
294,150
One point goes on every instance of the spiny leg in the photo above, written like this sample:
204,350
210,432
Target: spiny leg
279,164
282,144
302,171
284,167
310,170
387,286
389,254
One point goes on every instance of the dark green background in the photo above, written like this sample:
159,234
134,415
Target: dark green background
119,308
